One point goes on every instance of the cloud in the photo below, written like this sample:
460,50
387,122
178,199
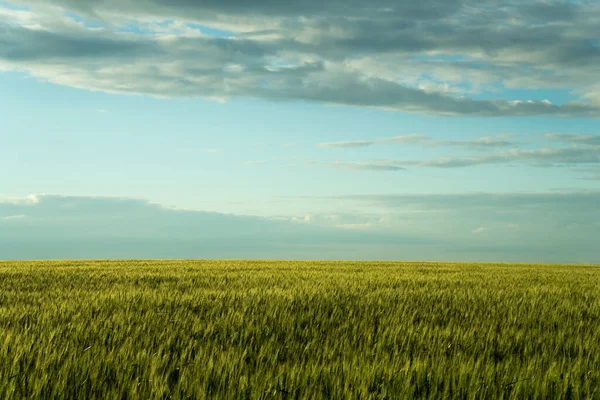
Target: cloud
425,57
591,173
583,202
207,10
482,143
553,227
26,200
360,166
355,226
109,227
535,157
303,220
255,163
592,140
544,157
353,144
14,217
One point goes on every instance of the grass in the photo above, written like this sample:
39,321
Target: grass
272,329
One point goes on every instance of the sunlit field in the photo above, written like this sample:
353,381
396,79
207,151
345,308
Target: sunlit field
274,329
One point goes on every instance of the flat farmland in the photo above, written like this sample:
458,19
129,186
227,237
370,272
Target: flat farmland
289,329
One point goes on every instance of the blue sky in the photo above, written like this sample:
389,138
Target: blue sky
451,130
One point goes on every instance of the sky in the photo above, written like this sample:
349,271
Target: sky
451,130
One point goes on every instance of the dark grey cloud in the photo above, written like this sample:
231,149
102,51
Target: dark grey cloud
352,89
21,45
482,143
426,9
342,27
367,54
546,11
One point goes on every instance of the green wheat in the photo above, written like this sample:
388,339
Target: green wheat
275,329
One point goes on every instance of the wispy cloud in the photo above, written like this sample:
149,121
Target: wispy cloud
14,217
356,226
590,173
584,201
544,157
535,157
592,140
352,144
482,143
365,166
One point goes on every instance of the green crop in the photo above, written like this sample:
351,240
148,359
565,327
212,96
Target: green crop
275,329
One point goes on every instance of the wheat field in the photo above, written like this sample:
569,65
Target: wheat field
295,330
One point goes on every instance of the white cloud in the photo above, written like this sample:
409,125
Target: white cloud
355,226
14,217
30,199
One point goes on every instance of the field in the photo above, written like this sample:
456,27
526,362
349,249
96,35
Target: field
273,329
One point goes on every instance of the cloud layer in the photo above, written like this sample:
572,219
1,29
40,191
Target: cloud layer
51,226
433,56
543,227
